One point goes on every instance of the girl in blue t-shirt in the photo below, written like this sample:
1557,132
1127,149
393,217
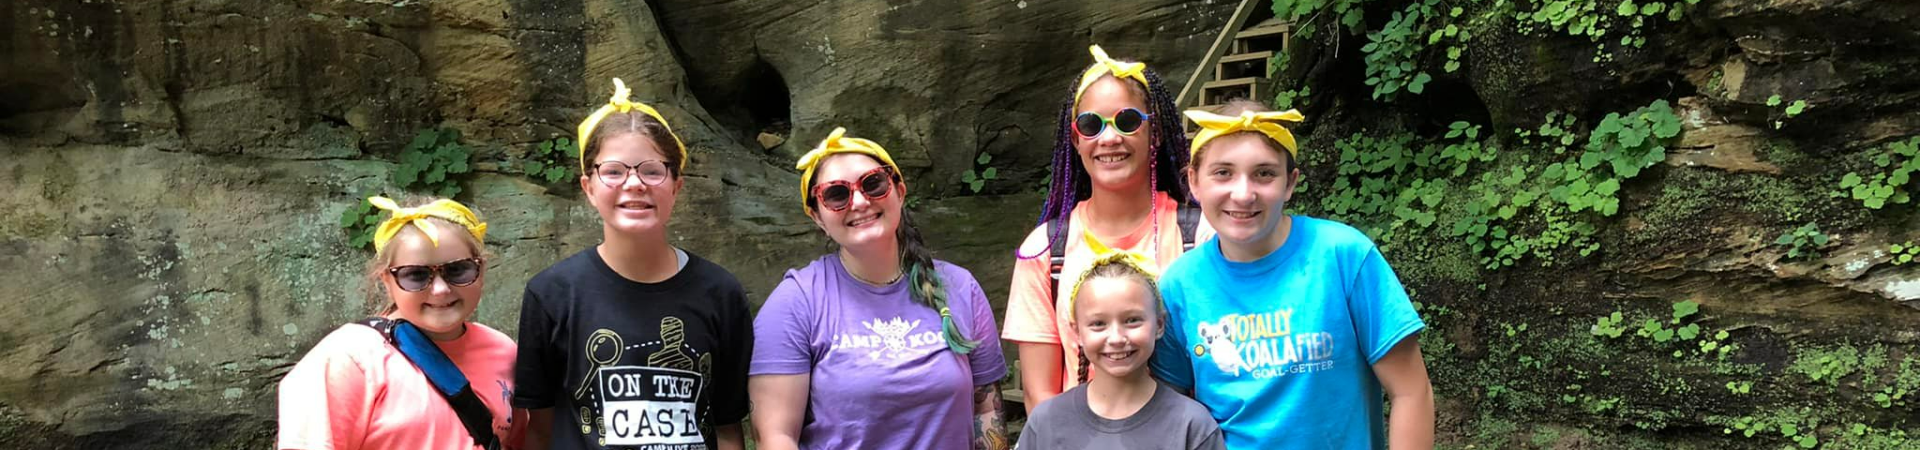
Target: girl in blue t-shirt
1289,329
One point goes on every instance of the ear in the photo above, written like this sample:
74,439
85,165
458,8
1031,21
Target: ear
1293,182
815,217
586,185
678,182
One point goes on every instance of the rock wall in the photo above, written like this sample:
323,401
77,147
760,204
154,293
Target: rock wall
173,171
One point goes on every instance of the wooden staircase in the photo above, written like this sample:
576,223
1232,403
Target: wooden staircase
1236,65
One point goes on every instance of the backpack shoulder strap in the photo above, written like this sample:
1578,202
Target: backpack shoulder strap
442,374
1189,217
1056,252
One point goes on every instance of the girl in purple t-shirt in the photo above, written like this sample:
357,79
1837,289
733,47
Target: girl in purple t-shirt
875,345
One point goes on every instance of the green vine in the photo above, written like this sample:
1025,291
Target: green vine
1803,242
976,178
1875,189
432,162
548,161
358,222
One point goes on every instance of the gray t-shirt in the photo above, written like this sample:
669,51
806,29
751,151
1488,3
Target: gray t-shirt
1168,421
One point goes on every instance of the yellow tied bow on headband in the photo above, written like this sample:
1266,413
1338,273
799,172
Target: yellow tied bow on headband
1104,256
1104,65
837,143
448,210
620,104
1267,123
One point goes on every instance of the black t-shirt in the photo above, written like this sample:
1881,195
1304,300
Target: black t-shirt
629,365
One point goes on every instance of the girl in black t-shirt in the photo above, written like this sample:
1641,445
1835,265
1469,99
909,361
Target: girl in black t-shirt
633,344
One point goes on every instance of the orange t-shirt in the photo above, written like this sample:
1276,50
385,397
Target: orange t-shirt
355,391
1035,314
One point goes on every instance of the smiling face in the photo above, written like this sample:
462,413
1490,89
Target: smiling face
866,221
1243,183
631,206
1113,161
1117,321
440,309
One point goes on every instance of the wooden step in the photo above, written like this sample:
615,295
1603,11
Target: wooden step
1218,92
1235,82
1263,31
1255,56
1242,65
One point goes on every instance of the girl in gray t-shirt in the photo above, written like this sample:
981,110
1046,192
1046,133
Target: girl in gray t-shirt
1117,316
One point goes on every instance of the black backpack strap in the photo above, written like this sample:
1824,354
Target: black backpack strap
442,374
1056,252
1189,217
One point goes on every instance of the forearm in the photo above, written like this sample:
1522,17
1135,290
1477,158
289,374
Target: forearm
539,429
728,437
989,425
1410,422
1040,367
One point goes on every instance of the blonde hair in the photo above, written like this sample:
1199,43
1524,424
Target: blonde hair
378,301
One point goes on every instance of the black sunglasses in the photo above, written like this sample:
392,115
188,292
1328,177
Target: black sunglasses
836,195
1126,122
416,278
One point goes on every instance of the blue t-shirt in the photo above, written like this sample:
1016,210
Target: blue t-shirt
1281,349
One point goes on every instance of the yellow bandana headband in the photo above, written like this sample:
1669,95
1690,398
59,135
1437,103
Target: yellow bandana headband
1105,256
1104,65
448,210
1267,123
620,103
837,143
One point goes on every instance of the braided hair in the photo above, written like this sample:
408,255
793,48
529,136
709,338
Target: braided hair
1071,184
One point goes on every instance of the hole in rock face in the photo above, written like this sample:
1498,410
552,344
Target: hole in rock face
768,103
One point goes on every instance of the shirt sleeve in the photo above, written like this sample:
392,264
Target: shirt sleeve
1030,314
1170,363
325,400
731,404
1382,313
539,364
989,364
782,333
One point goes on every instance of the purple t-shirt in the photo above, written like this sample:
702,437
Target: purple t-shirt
881,375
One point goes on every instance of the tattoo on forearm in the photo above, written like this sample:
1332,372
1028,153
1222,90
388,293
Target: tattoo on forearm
989,427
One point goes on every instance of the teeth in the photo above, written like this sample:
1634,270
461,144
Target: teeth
1111,158
1241,215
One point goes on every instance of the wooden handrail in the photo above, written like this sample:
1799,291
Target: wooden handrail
1240,14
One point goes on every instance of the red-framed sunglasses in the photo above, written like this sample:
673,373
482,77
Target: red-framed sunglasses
836,195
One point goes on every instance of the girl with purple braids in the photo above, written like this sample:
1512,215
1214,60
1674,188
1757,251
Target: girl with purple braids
1116,176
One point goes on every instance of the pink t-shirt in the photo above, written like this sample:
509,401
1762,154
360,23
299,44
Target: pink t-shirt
1036,314
355,391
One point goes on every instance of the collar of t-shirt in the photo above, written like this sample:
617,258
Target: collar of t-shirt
1300,232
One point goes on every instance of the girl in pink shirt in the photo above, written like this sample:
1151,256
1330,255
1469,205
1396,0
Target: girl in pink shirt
354,390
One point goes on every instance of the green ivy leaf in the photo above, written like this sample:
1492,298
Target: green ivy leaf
968,177
990,173
1419,83
556,174
983,159
1626,8
1850,180
1683,309
1774,100
1795,108
977,185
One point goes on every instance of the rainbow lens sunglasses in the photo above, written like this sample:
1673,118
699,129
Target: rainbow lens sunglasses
1126,122
836,195
416,278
